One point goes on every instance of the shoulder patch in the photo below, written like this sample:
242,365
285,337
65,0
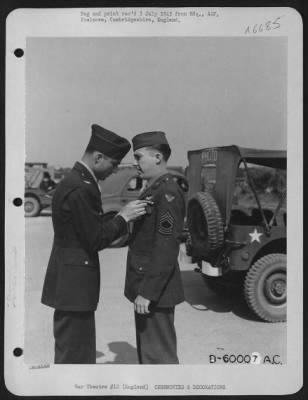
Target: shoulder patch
169,197
166,224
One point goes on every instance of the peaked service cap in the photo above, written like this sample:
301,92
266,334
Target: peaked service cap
109,143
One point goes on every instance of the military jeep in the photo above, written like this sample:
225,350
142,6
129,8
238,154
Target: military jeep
236,216
39,189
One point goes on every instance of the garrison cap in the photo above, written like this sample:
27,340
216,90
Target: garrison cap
109,143
148,139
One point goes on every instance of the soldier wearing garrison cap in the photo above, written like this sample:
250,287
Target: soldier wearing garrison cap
153,281
72,280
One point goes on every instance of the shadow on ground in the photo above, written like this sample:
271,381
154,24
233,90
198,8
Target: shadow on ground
124,353
99,354
203,298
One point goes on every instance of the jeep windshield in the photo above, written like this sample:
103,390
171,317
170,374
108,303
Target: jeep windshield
258,188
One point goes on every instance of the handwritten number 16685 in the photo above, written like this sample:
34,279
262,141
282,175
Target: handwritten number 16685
267,26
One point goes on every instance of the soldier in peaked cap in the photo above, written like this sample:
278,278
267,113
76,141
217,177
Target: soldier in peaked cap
72,280
153,281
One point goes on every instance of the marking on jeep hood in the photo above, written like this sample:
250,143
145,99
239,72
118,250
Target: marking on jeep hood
255,236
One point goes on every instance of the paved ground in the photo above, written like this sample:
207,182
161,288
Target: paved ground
206,324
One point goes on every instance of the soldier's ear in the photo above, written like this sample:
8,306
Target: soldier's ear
98,156
159,157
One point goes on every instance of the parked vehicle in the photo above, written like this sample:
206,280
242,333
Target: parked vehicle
39,187
236,216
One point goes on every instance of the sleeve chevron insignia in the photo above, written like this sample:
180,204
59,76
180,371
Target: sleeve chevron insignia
166,224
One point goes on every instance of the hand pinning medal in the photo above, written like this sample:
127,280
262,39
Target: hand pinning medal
150,204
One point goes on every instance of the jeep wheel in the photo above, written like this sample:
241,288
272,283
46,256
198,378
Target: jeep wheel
120,241
32,206
266,288
205,224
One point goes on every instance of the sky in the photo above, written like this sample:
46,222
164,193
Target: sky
201,91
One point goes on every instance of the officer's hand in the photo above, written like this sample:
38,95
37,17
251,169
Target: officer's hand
141,305
133,210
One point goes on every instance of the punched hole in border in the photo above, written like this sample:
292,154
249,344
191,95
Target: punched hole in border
17,352
17,202
19,53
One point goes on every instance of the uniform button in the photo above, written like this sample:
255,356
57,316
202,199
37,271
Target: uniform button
86,262
140,268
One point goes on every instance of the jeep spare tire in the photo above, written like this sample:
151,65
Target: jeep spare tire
205,224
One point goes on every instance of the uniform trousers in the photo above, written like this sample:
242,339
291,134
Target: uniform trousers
75,341
156,337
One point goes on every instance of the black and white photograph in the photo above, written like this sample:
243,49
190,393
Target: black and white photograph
154,167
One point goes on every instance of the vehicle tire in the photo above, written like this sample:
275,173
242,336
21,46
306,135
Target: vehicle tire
120,241
32,206
265,287
205,224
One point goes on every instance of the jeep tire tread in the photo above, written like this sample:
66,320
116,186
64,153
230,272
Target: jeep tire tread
205,224
265,287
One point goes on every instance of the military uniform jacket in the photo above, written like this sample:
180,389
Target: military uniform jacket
72,280
152,262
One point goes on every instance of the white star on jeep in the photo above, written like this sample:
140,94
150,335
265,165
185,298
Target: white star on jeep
255,236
